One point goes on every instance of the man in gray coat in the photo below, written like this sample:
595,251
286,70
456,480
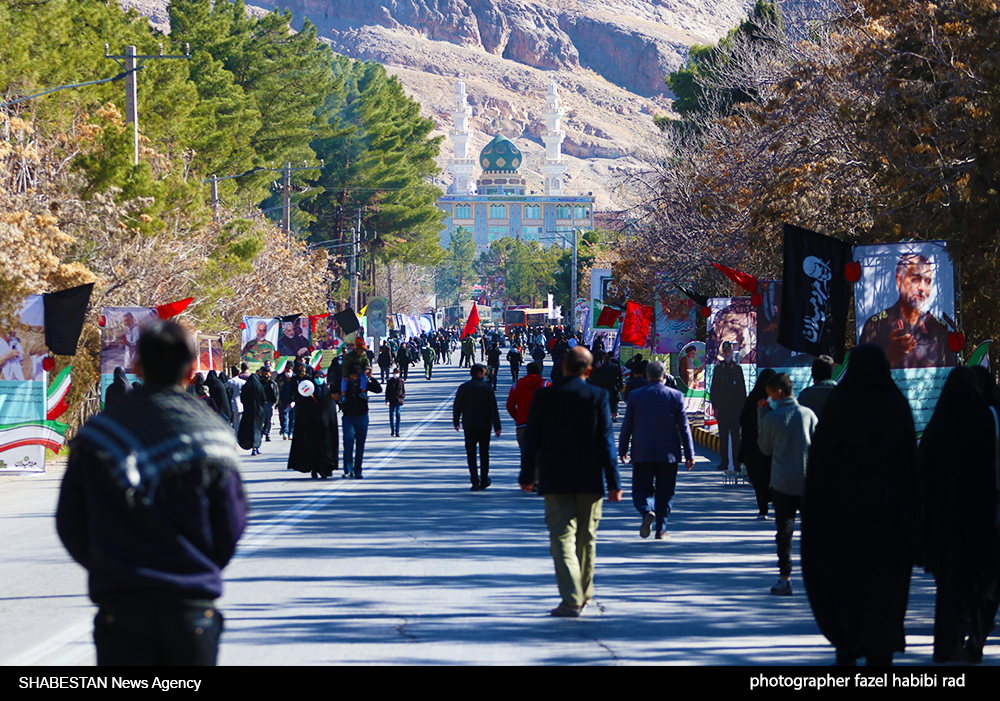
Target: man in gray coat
658,429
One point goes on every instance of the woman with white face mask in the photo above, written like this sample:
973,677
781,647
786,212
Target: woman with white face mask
395,391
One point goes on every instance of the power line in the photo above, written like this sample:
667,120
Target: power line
120,76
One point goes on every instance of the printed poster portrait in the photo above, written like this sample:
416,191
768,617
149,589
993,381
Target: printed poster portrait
209,354
376,325
259,339
120,336
905,302
675,321
733,319
770,353
22,346
294,339
691,365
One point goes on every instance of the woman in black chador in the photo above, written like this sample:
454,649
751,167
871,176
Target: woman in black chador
958,493
217,391
315,441
251,428
758,465
859,512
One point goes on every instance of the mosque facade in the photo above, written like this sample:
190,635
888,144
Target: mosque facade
501,203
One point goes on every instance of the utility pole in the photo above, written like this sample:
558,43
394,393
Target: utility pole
130,67
577,233
352,270
215,197
286,214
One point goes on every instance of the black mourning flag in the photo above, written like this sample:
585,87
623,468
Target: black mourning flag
64,314
347,320
814,294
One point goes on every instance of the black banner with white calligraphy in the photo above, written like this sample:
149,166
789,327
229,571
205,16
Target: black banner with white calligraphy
814,296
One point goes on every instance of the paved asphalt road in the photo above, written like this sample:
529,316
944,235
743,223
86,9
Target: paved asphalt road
409,567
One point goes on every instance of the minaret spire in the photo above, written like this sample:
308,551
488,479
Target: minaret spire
554,167
461,165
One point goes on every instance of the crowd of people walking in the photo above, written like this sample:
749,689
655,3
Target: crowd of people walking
841,455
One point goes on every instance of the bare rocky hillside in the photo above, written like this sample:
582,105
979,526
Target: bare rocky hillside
609,56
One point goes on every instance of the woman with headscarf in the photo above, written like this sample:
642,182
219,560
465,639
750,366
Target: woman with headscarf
251,428
118,388
859,513
758,465
315,441
217,391
958,493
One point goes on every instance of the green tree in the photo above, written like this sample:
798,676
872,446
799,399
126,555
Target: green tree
588,245
706,84
378,160
456,273
284,78
517,271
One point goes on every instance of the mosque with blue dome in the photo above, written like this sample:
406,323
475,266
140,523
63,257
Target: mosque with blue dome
500,202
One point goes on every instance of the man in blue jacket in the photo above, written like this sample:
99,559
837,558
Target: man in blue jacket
152,505
657,426
569,438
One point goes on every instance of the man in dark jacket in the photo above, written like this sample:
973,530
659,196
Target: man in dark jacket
571,441
476,409
657,427
152,506
728,393
270,399
354,404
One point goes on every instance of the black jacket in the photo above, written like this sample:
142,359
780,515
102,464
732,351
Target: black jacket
476,406
570,439
152,503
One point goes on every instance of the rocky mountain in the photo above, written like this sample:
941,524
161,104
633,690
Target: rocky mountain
609,56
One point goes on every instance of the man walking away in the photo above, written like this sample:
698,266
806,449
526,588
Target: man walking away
570,440
784,431
815,397
476,409
395,395
519,399
657,426
515,359
152,506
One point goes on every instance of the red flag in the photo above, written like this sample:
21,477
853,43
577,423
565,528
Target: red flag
471,323
635,328
165,311
608,316
747,282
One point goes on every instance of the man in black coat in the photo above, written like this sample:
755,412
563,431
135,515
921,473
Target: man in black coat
729,392
571,441
476,409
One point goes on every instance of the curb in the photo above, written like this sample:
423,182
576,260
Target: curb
706,439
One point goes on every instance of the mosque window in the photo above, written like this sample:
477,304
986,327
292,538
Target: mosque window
580,212
532,211
498,211
563,211
463,211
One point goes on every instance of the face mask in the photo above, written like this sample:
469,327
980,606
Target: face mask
288,374
320,380
771,403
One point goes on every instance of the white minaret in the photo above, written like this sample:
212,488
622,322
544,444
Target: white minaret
554,166
461,165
